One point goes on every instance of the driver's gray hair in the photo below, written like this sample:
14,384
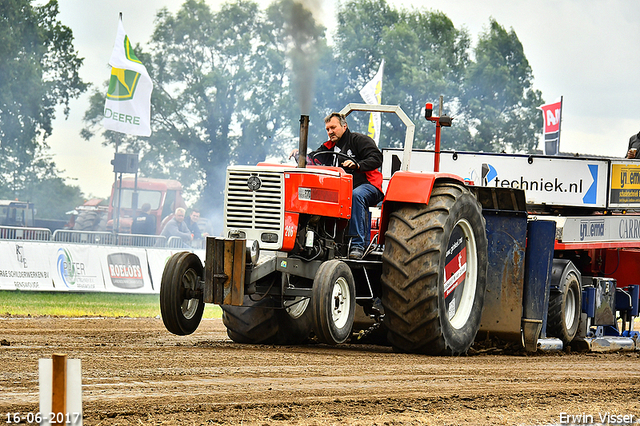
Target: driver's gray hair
341,118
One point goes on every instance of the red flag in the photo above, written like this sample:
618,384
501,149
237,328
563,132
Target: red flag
552,114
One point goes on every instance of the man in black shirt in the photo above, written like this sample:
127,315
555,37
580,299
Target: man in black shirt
362,159
634,146
145,223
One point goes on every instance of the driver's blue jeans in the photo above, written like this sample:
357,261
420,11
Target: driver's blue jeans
364,196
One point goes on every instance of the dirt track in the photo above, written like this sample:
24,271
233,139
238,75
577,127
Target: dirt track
137,373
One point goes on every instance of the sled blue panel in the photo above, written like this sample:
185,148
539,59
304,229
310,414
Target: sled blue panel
539,259
589,301
502,313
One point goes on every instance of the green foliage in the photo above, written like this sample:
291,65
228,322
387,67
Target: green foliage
426,56
230,85
499,94
39,69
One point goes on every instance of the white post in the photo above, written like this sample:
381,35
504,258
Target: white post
60,381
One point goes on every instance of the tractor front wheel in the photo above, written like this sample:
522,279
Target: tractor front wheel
334,302
181,303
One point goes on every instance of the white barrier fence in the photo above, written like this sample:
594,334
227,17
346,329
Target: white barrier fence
94,237
61,266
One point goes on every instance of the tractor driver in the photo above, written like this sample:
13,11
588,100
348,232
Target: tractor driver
364,165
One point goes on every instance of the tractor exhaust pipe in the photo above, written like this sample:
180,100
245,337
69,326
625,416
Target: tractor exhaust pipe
302,145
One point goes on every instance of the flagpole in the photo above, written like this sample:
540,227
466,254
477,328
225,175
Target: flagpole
560,124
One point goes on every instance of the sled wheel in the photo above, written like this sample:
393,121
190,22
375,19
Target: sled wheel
181,303
434,273
565,306
334,302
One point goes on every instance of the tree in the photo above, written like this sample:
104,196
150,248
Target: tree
39,70
222,90
500,96
426,56
51,195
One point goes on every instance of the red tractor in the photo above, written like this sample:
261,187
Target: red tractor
282,272
163,196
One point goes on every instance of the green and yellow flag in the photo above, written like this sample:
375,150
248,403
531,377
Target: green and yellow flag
127,108
372,94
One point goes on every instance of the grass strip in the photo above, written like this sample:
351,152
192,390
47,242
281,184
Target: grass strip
72,304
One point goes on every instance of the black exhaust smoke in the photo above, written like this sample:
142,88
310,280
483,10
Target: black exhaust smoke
302,145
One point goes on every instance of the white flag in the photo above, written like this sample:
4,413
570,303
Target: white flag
372,94
127,108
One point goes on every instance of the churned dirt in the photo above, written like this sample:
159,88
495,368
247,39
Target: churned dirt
134,372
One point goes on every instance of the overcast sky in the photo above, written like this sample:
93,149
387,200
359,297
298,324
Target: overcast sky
584,50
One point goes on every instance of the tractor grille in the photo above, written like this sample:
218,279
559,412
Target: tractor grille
260,209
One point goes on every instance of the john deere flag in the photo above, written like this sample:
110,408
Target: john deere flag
128,105
372,94
552,114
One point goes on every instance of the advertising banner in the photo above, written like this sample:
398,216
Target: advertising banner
625,184
597,228
49,266
372,94
127,107
75,267
25,266
126,270
546,180
158,259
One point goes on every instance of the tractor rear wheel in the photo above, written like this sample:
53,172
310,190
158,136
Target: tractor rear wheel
91,220
181,303
434,273
294,321
265,321
253,322
334,302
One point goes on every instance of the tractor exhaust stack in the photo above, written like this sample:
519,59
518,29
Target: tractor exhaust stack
302,145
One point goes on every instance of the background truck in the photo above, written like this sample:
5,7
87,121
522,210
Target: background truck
460,251
164,196
15,213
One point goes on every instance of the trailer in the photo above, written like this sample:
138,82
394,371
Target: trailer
538,251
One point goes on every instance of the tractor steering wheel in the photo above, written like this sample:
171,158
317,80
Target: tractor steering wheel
336,155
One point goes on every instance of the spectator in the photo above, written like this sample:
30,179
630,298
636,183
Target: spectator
192,223
634,145
145,223
177,228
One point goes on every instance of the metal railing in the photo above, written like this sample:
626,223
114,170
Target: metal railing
95,238
84,237
109,239
137,240
18,233
176,242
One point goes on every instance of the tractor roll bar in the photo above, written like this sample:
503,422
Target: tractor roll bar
411,128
